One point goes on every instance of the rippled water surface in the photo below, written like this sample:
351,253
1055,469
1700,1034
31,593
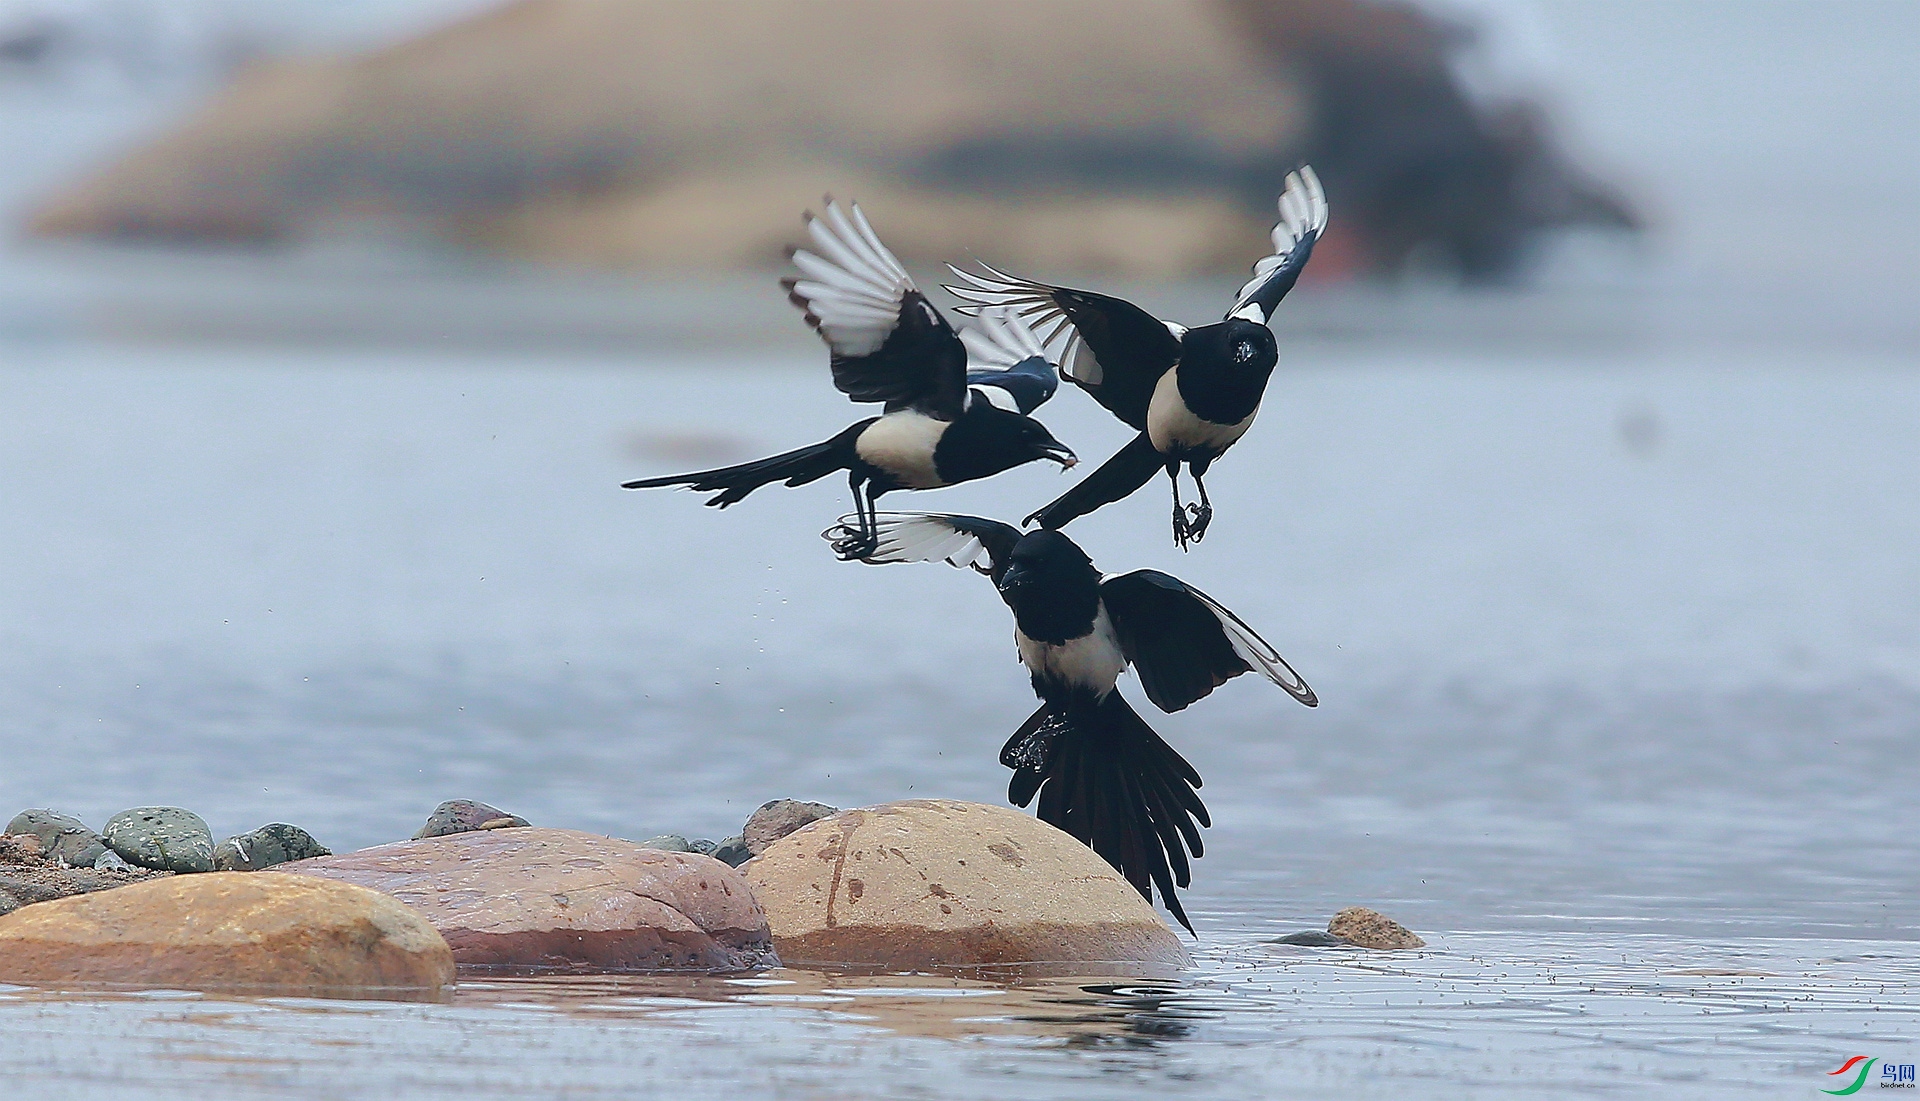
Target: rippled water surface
1618,647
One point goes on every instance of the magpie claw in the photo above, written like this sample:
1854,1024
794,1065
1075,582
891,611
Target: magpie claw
1182,532
1202,516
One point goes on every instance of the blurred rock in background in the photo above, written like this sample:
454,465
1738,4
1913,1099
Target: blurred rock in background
1138,138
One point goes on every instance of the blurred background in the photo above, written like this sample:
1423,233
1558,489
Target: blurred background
1584,495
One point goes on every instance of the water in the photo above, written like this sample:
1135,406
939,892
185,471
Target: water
1616,643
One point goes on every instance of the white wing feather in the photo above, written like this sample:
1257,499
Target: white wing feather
917,537
1033,304
852,286
1000,338
1257,651
1303,211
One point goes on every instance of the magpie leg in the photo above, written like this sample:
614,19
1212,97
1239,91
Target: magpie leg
1182,532
859,544
1202,512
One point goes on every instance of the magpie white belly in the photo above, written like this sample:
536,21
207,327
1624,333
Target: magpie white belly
1174,428
1093,661
902,444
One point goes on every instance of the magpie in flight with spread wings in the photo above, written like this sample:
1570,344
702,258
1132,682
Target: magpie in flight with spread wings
889,344
1101,772
1189,392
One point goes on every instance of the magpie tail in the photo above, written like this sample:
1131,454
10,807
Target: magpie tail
795,468
1130,468
1106,778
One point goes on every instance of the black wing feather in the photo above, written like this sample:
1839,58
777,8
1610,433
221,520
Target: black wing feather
1183,644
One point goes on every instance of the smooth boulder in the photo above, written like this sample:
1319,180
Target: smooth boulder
562,900
464,815
779,817
231,931
271,844
63,838
945,883
166,839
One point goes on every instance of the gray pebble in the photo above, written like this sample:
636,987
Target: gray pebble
464,816
62,837
1312,938
731,852
109,861
778,818
273,843
702,846
168,839
671,842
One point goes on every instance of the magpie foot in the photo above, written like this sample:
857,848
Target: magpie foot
855,544
1182,531
1202,516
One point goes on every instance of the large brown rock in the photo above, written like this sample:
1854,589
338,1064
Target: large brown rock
944,883
228,930
547,899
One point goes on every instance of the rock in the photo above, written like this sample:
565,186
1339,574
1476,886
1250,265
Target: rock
28,875
273,843
463,815
167,839
110,861
702,846
1312,938
547,899
943,883
668,842
279,933
62,837
732,852
1370,929
779,818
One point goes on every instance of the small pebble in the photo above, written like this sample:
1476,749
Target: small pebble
703,846
166,839
465,816
1371,929
1312,938
62,837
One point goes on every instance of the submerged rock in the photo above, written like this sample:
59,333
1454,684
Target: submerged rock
732,852
62,837
279,933
273,843
1371,929
464,815
1312,938
547,899
944,883
778,818
166,839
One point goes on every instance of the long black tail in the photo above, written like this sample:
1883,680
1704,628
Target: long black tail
1130,468
1105,777
796,467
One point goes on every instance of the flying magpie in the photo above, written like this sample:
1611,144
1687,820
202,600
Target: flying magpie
1101,772
889,344
1189,392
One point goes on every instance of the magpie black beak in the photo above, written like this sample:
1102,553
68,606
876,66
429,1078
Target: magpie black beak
1058,453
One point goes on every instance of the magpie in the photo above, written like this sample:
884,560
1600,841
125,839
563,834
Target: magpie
889,344
1101,772
1190,393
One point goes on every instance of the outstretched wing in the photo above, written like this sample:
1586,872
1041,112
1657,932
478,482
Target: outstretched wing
889,344
1303,217
963,541
1183,644
1005,359
1109,347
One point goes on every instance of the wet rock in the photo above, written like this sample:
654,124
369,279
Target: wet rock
28,875
779,818
732,852
267,932
943,883
464,815
1312,938
668,842
702,846
1371,929
166,839
547,899
273,843
62,837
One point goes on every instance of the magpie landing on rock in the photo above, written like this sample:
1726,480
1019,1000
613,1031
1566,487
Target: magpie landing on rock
1101,772
889,344
1189,392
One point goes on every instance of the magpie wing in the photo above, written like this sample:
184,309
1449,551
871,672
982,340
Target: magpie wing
1303,217
1183,644
1007,363
963,541
1107,346
889,343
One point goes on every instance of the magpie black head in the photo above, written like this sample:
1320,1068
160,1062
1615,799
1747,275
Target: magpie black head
988,439
1051,585
1236,344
